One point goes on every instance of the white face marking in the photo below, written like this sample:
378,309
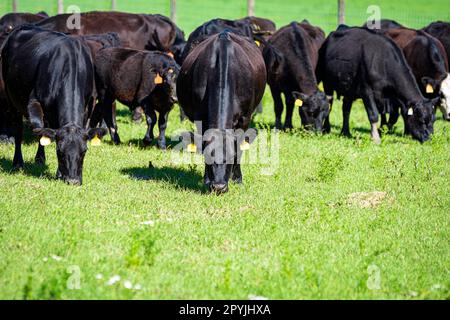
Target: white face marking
445,101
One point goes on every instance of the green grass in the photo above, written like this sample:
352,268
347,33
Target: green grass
296,234
300,233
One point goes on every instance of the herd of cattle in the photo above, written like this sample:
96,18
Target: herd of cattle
64,77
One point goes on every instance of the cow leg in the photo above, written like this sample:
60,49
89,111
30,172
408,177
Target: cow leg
18,135
162,124
372,113
40,155
182,115
346,108
278,105
259,108
237,173
109,114
327,125
383,120
393,118
151,121
289,111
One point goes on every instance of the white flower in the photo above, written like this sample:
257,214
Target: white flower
113,280
99,276
137,287
127,284
56,258
148,223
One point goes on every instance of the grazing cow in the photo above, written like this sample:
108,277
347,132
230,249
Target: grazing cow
135,78
360,63
220,84
428,61
137,31
441,31
49,78
291,57
7,23
385,24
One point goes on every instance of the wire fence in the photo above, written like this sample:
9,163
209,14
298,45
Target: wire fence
192,13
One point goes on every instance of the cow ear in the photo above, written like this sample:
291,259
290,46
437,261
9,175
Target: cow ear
428,83
299,95
45,132
95,133
47,135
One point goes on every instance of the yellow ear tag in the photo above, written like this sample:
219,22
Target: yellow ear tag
158,79
192,148
429,88
245,146
298,102
45,141
95,142
257,43
170,54
410,111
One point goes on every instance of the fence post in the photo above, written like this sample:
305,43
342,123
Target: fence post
60,6
113,5
173,10
14,6
250,8
341,12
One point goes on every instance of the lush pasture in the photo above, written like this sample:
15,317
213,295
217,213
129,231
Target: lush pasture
339,218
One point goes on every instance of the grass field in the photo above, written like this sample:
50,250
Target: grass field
340,218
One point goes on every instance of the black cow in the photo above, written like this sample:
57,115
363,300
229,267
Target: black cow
7,23
359,63
428,61
220,84
291,57
135,78
49,78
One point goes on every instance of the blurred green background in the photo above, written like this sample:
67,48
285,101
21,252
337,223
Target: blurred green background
192,13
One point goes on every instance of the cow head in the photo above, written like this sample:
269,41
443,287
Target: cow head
313,109
420,119
220,150
168,81
445,98
71,147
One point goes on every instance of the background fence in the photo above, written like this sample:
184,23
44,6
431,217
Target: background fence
191,13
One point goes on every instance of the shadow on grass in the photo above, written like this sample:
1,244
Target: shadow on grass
179,177
30,169
140,144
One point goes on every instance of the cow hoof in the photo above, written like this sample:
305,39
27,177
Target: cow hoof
146,142
39,161
376,140
162,146
17,167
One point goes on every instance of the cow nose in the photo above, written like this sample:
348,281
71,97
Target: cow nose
74,182
219,188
